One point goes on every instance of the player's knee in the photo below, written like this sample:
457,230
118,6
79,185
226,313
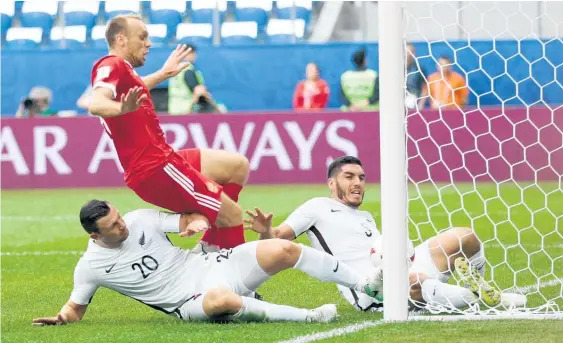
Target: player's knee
415,280
219,301
470,242
244,164
241,169
464,232
286,252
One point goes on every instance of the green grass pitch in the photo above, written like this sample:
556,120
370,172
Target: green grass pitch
520,225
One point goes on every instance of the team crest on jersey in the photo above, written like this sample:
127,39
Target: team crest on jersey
211,187
142,241
102,73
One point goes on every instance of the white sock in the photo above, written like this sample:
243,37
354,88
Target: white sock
434,291
478,260
254,310
325,267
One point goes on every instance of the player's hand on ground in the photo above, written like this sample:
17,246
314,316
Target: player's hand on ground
194,227
132,100
258,221
176,62
58,320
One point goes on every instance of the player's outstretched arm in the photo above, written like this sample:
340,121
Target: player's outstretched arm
102,104
262,224
71,312
175,63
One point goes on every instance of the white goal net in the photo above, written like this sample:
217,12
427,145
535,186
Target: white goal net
484,141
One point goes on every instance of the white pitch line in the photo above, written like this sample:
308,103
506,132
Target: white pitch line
40,253
525,245
333,333
364,325
534,288
39,218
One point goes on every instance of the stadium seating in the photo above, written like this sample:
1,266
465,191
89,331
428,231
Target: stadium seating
24,37
199,34
115,8
167,12
81,13
302,9
254,10
7,10
158,34
98,36
19,6
39,14
185,21
69,37
285,31
244,32
202,10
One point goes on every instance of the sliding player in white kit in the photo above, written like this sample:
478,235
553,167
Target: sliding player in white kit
336,225
132,255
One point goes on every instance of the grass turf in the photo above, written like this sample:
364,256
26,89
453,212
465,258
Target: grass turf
518,223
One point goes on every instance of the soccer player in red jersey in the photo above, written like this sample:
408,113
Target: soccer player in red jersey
193,180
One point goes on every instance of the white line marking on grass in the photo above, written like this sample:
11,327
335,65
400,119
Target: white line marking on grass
524,245
333,333
39,218
534,288
364,325
40,253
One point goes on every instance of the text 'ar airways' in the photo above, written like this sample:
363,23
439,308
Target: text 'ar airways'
81,148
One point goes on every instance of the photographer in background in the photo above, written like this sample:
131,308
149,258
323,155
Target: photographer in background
187,92
36,104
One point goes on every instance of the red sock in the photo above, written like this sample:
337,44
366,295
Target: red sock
231,237
232,190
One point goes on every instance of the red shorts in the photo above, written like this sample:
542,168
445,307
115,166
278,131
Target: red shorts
180,187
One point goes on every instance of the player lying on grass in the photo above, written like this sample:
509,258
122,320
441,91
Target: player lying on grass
132,255
336,225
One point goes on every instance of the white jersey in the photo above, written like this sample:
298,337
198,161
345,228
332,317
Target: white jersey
344,232
146,267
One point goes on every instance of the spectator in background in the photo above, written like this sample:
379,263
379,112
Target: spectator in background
359,88
312,93
446,88
187,92
416,78
37,104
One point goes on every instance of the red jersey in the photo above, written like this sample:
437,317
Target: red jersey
312,96
138,137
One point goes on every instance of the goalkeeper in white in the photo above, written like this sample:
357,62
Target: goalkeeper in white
133,256
335,225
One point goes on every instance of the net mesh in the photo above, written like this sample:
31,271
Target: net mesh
486,150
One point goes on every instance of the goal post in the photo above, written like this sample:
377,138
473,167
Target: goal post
393,150
484,153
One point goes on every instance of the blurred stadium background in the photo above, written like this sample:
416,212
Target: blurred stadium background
493,161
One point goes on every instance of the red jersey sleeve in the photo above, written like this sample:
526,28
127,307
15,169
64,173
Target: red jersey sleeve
107,73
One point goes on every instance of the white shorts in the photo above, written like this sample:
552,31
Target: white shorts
423,263
236,269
